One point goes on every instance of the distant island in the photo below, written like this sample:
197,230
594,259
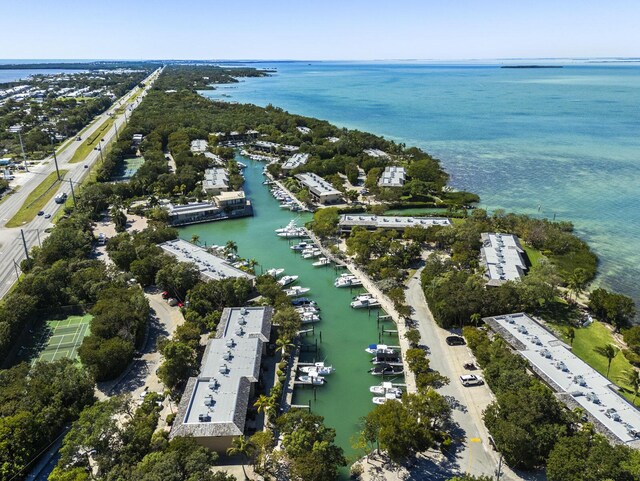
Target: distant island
532,66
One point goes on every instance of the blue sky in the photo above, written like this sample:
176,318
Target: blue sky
329,29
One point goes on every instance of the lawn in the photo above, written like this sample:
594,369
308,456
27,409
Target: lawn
36,200
597,334
91,142
534,255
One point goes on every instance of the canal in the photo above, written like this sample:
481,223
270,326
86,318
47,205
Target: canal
345,332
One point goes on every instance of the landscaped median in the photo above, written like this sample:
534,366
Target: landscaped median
36,200
91,142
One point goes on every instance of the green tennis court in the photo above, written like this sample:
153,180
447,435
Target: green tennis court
61,338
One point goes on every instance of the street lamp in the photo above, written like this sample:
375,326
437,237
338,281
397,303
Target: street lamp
100,149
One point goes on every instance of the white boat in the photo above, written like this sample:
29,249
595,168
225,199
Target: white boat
307,309
385,398
373,348
364,300
293,233
311,254
275,272
288,227
312,378
301,246
348,280
384,388
323,261
286,280
309,318
296,291
386,370
318,368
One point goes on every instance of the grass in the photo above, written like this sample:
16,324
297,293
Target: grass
534,255
90,142
596,335
36,200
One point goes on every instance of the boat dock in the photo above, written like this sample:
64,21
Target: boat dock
382,301
302,207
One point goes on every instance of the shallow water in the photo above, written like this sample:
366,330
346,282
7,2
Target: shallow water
560,143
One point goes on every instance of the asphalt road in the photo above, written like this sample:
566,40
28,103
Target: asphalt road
474,453
11,246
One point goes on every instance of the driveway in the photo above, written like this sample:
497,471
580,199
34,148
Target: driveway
474,453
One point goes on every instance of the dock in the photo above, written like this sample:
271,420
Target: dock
302,207
383,301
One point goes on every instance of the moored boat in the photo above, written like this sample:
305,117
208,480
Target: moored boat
296,291
319,368
323,261
286,280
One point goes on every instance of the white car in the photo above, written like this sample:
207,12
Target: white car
471,380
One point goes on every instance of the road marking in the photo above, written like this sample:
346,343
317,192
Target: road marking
475,440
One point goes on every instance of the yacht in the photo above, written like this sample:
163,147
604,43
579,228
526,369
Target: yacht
385,398
385,370
384,388
312,378
296,291
291,225
374,348
347,280
323,261
387,357
319,368
275,272
311,254
304,301
296,233
309,318
301,246
363,301
286,280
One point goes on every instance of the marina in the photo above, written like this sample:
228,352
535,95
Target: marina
339,332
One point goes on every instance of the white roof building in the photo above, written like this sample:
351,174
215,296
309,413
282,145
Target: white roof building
199,146
372,222
296,160
503,258
215,181
321,191
575,382
392,176
376,153
213,407
211,267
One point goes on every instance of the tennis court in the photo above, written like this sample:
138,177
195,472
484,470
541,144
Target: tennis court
62,338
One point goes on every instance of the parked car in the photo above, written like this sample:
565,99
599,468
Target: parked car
165,295
455,341
172,301
471,380
41,212
469,365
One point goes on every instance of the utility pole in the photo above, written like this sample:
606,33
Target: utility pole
100,149
55,161
72,193
115,127
499,471
24,156
38,233
24,244
17,274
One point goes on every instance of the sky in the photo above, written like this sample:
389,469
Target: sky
319,30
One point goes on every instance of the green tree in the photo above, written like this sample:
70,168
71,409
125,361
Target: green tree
242,447
195,239
571,335
231,247
325,222
609,352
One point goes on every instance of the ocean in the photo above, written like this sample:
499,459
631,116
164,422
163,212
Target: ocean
558,143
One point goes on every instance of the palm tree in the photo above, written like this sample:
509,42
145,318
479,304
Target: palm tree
475,317
241,446
231,246
251,264
195,239
283,343
608,351
264,403
632,378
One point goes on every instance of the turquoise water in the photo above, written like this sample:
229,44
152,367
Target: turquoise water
345,332
566,140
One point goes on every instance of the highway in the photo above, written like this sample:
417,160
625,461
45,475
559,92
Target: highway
11,245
